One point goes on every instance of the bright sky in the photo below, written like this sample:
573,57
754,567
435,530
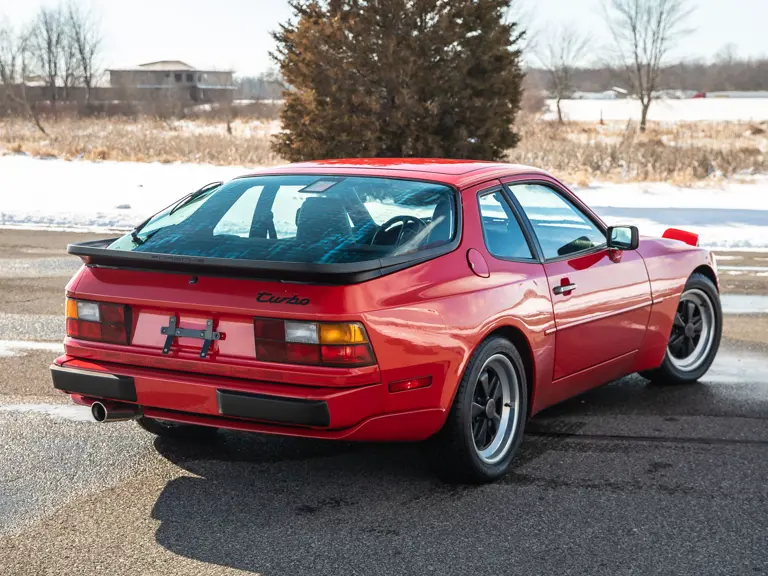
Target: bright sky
234,34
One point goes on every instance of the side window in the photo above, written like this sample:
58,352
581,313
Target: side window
237,221
503,236
560,227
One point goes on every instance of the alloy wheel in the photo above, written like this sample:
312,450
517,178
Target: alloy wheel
495,409
693,331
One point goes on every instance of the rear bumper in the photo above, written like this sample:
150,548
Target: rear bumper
357,413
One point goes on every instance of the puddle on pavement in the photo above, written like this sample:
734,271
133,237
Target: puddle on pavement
744,304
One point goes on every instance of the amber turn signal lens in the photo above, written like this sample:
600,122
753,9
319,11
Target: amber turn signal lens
71,308
342,333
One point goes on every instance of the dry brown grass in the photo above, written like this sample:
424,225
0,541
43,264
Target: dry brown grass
143,140
681,153
576,152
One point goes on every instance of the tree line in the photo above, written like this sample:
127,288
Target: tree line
738,74
60,47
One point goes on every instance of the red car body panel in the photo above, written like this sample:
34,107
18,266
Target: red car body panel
422,321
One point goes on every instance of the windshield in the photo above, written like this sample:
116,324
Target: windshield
302,218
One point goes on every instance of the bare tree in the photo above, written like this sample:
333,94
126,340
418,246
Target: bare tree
559,55
47,42
84,34
70,63
644,31
11,47
14,60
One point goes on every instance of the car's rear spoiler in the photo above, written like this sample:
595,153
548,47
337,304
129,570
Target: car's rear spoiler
96,254
681,235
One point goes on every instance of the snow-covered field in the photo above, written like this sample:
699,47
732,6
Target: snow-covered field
690,110
95,196
104,196
728,216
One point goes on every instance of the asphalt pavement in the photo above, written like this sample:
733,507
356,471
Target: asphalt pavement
631,478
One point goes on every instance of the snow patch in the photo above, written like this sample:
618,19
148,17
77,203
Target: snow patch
744,268
21,347
670,111
71,412
744,304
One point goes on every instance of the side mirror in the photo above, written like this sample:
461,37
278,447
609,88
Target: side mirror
623,237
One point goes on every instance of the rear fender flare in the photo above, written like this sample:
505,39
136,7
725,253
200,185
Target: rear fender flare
513,331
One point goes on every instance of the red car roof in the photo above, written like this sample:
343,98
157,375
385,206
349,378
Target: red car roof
460,173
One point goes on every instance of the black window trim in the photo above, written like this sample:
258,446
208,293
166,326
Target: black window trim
570,199
514,214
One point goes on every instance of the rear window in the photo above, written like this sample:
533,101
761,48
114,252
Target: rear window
302,218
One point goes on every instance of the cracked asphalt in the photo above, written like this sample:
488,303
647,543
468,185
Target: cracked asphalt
632,478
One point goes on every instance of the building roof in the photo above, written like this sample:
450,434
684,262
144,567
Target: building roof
164,66
169,65
460,173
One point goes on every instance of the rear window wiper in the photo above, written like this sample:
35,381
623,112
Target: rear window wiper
138,239
179,203
135,232
194,196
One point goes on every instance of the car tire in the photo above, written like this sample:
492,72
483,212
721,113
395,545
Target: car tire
461,452
700,300
182,432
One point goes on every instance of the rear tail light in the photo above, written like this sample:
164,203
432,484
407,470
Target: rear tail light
98,321
314,343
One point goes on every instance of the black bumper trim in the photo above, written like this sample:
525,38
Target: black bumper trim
96,384
273,408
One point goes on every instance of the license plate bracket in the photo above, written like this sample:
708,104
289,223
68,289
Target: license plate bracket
173,331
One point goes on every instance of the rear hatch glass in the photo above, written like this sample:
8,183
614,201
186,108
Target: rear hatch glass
307,219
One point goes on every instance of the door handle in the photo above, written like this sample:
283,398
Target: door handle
564,288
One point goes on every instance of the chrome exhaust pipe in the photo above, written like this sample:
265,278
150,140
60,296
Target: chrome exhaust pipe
114,411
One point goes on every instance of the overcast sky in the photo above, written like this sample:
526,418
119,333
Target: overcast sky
234,34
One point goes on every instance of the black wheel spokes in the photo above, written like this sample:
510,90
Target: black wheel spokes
690,311
486,420
677,342
687,328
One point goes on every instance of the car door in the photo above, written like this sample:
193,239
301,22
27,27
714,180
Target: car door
601,298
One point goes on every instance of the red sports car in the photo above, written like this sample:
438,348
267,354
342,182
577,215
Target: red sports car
380,300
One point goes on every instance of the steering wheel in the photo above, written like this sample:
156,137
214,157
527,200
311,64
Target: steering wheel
405,221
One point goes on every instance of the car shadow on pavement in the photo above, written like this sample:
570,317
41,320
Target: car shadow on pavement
287,505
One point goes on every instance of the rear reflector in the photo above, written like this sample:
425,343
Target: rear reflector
359,355
413,384
314,343
98,321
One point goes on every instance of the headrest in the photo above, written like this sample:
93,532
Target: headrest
441,221
321,218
